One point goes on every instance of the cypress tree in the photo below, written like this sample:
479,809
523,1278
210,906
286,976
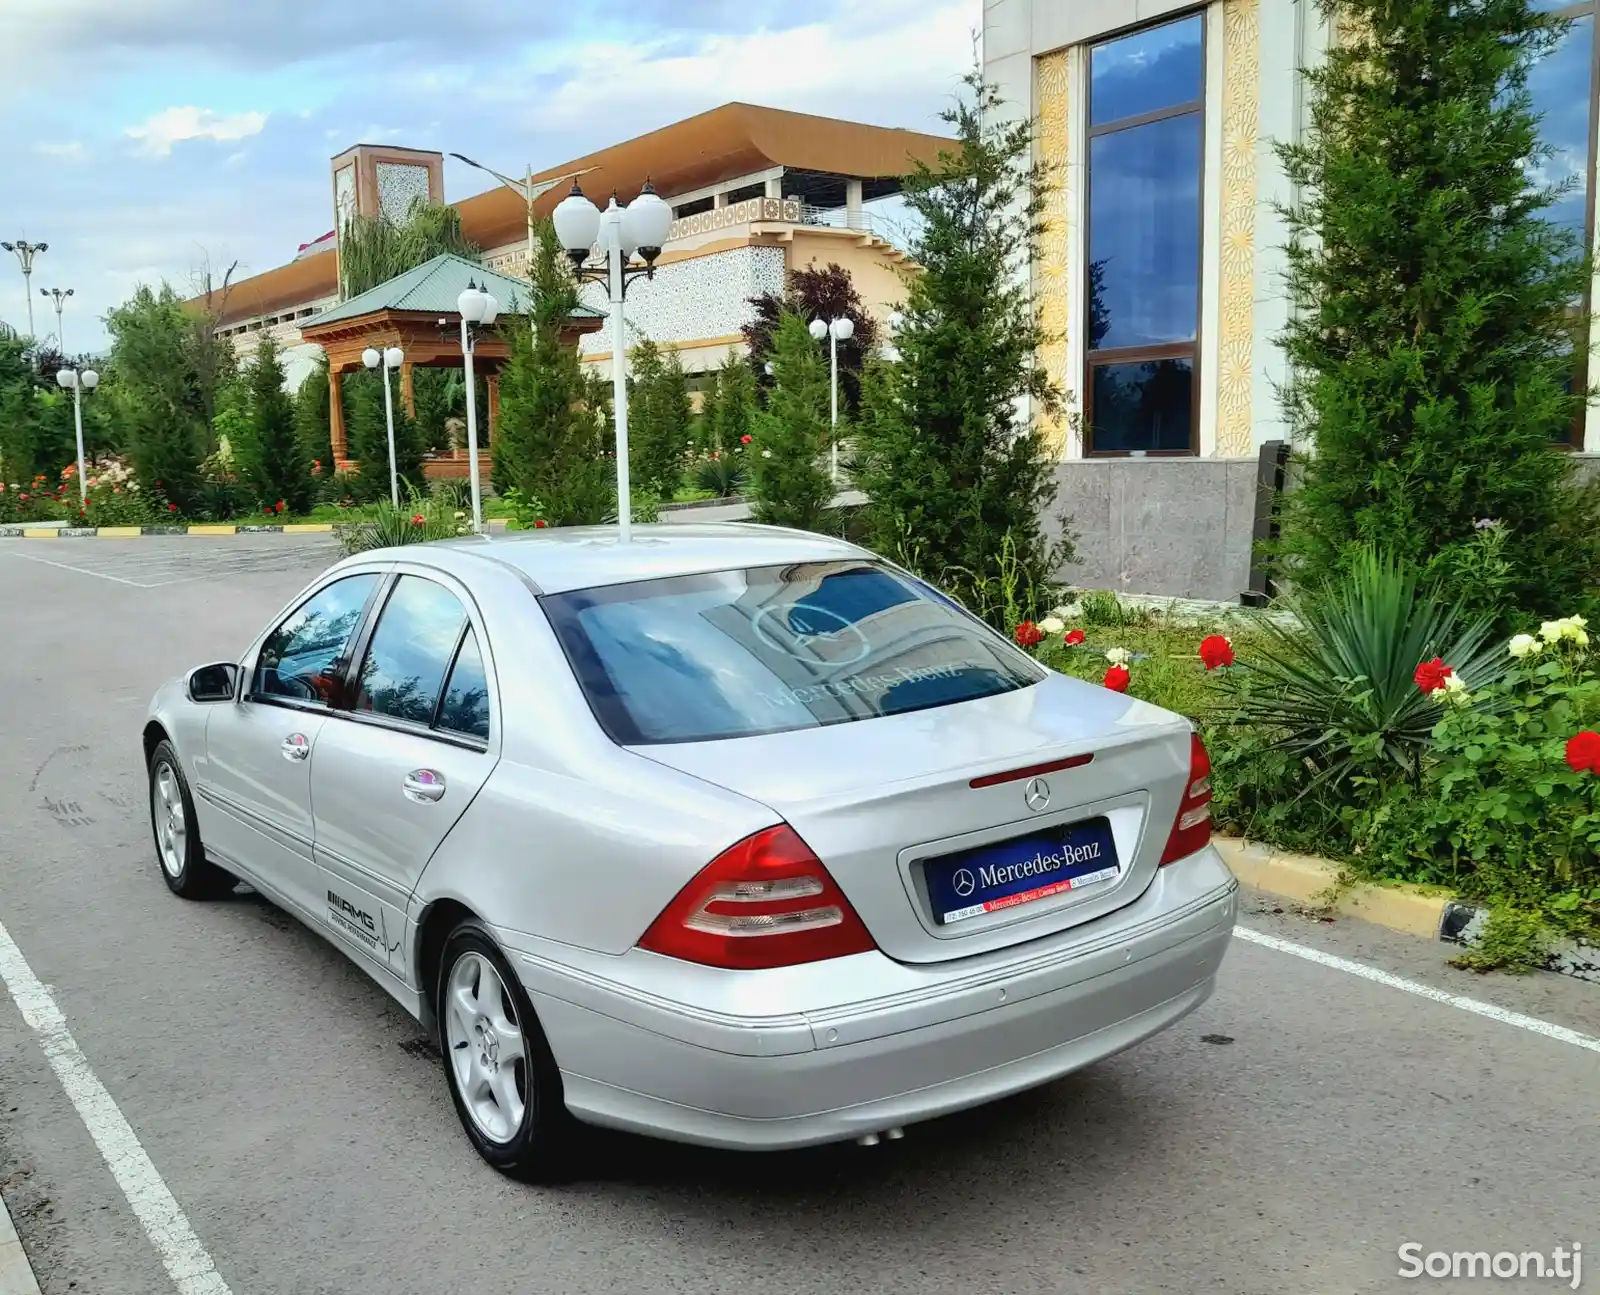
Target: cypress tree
1433,341
789,475
269,455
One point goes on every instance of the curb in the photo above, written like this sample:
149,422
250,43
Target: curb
16,1273
1426,911
198,528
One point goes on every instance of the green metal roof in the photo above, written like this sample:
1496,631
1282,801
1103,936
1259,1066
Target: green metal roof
433,288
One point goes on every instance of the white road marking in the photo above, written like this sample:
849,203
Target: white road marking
83,571
187,1263
1504,1015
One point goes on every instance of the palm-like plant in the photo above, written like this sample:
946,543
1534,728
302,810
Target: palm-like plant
1335,687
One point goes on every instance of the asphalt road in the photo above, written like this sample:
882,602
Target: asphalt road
1288,1137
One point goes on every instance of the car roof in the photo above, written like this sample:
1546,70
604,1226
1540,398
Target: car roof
558,559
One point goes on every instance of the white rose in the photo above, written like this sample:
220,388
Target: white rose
1454,684
1524,645
1578,636
1118,656
1068,611
1439,695
1051,625
1551,631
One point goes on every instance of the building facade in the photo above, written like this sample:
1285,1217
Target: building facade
1161,271
756,192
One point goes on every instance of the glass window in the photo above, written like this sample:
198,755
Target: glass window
411,649
1559,86
306,656
1144,406
1144,232
1146,160
739,653
465,708
1160,67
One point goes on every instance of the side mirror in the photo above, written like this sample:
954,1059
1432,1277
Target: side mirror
213,682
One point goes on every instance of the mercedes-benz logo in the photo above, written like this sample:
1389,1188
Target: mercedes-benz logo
965,883
1037,794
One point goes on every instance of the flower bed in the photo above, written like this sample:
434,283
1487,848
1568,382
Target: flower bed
1485,778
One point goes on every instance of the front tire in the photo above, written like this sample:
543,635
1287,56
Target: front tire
502,1075
184,866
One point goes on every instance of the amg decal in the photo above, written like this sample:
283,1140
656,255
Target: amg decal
354,922
342,905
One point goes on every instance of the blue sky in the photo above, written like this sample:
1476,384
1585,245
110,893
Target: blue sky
148,138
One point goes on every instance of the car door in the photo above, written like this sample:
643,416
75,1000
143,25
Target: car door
255,783
392,773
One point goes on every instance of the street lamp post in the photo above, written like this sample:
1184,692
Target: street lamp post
26,251
79,382
390,359
841,329
618,232
60,295
530,193
478,309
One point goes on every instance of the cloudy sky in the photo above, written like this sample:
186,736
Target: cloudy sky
146,138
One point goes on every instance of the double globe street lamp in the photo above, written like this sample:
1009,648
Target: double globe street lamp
839,330
618,233
78,381
390,359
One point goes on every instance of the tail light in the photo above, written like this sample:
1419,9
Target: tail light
1191,830
767,901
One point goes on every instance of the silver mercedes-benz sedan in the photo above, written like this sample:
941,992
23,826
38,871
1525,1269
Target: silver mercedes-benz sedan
728,834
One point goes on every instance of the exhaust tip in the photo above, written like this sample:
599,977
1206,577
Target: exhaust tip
867,1140
895,1134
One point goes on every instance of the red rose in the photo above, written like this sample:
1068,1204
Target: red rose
266,510
23,496
1028,634
1430,675
1215,650
746,439
1583,752
158,485
1116,679
419,520
280,505
540,524
172,508
1072,638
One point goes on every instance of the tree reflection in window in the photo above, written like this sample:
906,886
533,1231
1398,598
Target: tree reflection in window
405,666
465,708
304,658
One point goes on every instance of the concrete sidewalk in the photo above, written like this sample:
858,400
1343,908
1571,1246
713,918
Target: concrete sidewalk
16,1273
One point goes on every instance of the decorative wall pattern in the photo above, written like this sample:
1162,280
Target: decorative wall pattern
693,300
1052,272
399,185
735,213
1241,123
344,195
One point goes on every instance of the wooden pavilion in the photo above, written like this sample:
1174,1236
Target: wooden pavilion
416,311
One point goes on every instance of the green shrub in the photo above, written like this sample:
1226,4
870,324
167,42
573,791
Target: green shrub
722,474
1337,690
417,520
660,419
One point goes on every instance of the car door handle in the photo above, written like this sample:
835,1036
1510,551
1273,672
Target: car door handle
295,747
424,785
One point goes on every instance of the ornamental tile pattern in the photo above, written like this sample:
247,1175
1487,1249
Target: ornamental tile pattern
399,185
1052,271
1241,123
691,300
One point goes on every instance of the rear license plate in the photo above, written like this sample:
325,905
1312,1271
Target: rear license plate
1020,871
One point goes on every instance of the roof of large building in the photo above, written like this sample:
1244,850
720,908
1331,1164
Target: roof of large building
432,288
733,140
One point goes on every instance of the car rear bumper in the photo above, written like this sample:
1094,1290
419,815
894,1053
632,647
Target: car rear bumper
646,1053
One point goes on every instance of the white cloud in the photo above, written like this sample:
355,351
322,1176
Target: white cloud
159,132
70,151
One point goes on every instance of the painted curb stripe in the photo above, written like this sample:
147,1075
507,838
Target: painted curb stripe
212,530
34,533
306,528
119,532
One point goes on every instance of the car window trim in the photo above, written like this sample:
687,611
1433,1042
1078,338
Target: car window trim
385,578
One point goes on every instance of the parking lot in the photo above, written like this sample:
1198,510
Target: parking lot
1315,1116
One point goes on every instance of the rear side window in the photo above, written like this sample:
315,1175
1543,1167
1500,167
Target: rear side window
411,650
768,649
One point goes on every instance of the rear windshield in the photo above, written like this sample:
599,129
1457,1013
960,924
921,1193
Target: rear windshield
764,650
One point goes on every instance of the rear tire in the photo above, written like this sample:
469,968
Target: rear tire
502,1075
182,856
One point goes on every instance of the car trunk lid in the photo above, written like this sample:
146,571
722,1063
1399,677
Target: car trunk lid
884,803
